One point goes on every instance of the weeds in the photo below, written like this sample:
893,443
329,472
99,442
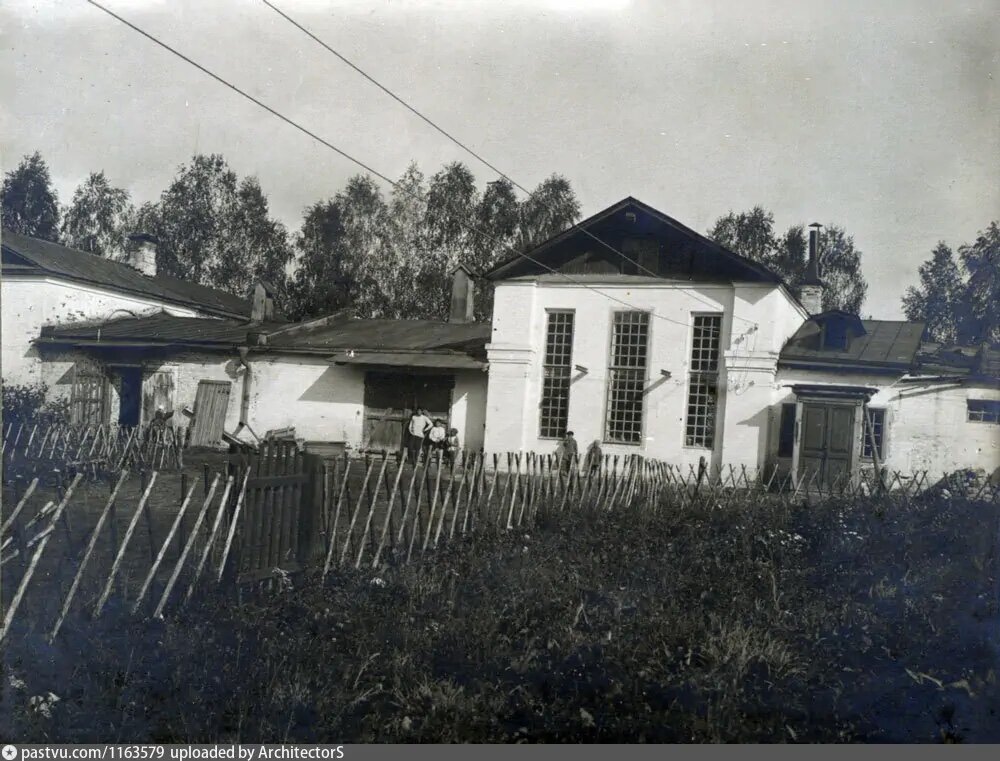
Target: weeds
836,623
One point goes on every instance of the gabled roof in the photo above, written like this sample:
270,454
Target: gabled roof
22,254
686,251
886,345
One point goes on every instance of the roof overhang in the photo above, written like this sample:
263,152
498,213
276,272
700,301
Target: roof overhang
822,391
431,360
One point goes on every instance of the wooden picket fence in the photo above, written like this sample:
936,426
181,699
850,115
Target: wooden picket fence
39,448
148,541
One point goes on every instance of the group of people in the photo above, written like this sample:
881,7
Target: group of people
425,434
567,454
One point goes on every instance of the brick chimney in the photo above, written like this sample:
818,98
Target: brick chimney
262,307
462,285
811,293
143,258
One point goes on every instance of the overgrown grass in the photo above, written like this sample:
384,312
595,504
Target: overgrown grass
861,621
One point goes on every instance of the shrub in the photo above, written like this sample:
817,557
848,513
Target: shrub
22,403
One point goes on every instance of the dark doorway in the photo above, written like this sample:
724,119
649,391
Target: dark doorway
827,443
391,397
131,396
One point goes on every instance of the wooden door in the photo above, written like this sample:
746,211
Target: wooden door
387,397
211,403
391,397
157,394
826,444
88,397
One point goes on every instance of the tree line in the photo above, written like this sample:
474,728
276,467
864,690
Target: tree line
384,256
390,255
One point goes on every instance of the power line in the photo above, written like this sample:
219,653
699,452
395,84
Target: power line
360,163
454,139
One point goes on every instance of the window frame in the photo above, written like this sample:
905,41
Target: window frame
986,416
691,377
881,438
643,379
545,368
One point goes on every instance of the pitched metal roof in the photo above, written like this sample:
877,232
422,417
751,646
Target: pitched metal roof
885,344
160,328
468,339
412,335
80,266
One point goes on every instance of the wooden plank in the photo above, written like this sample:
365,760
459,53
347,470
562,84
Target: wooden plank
211,405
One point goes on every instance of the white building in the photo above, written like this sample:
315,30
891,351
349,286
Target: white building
633,330
120,344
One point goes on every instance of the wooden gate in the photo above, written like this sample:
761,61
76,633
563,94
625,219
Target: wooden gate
210,405
280,522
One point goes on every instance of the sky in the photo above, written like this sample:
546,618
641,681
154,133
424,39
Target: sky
878,115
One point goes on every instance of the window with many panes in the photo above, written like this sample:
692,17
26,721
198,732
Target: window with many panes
627,377
554,411
703,381
983,410
877,427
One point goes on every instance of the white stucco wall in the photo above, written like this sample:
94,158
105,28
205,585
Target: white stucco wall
322,401
927,425
516,353
29,302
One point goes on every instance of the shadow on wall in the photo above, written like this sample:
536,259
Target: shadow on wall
330,387
761,421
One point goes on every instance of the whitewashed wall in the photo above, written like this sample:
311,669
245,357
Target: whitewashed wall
927,425
516,354
29,302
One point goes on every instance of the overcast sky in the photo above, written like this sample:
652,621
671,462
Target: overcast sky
879,116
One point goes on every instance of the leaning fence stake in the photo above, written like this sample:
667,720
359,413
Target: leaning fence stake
20,506
388,512
95,535
192,538
232,526
19,595
211,537
121,550
163,549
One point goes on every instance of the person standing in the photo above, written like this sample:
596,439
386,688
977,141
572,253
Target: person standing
417,429
569,452
437,434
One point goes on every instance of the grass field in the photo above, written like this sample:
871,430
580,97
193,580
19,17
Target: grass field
866,620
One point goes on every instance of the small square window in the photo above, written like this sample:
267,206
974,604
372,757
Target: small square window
983,410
